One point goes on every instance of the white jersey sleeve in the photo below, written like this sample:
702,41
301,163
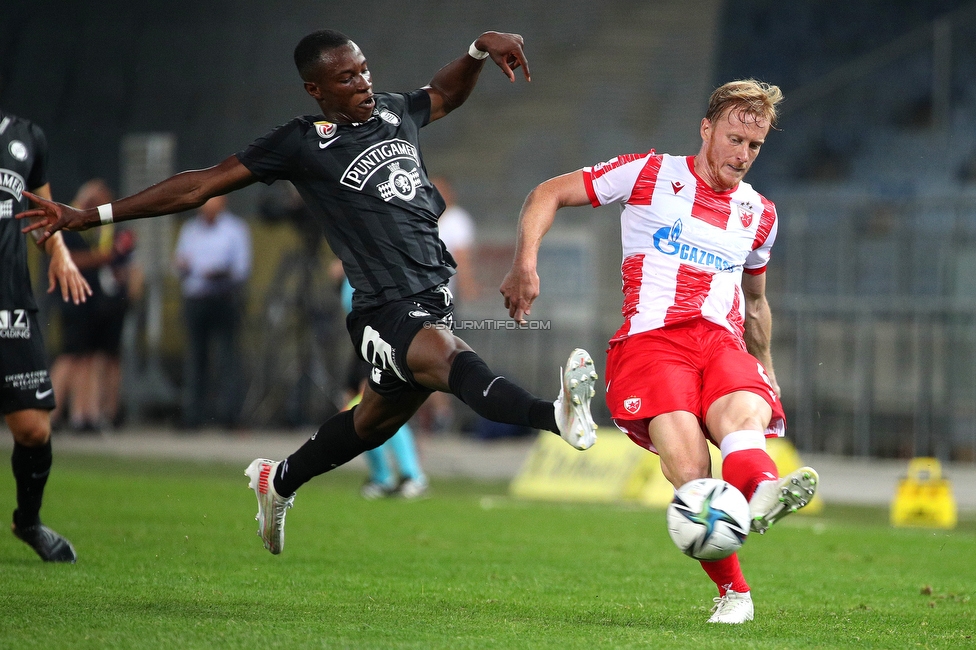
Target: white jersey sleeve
613,181
762,245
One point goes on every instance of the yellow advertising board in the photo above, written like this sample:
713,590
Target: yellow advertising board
554,471
924,497
615,469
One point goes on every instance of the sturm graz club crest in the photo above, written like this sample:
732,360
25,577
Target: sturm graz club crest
401,184
18,150
389,116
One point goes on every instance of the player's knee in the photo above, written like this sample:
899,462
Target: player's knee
739,411
32,433
377,434
374,428
680,471
431,357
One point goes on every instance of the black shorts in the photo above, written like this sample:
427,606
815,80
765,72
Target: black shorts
76,327
24,380
382,335
357,372
93,326
109,323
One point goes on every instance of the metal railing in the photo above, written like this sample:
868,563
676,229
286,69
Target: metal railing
875,325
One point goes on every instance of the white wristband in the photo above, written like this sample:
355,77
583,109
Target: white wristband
475,53
105,213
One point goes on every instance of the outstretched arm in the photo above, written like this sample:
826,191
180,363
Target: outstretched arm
62,271
521,285
453,83
184,191
759,324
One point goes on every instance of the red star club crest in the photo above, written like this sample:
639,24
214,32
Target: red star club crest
745,214
632,405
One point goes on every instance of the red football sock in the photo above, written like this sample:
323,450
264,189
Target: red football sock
747,468
726,574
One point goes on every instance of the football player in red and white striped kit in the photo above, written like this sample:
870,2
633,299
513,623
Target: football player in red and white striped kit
691,363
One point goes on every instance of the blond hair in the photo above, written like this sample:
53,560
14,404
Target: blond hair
756,99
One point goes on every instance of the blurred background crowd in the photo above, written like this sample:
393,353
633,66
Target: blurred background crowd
873,169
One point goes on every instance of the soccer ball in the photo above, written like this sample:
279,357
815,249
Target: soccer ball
708,519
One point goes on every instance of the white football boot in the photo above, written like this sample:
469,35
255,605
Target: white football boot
411,488
576,425
732,608
774,500
271,506
371,490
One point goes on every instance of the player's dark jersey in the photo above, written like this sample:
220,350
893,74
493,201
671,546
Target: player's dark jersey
23,166
367,186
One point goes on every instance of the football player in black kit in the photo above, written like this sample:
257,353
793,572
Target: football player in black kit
26,394
359,169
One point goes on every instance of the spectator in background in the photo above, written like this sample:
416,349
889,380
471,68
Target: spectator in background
456,229
86,375
213,259
121,280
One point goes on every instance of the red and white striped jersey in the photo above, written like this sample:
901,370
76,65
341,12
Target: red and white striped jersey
685,246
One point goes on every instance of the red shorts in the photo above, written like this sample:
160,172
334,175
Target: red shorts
683,367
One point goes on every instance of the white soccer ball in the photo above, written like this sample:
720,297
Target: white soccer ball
708,519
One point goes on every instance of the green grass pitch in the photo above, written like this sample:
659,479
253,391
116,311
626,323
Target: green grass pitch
169,558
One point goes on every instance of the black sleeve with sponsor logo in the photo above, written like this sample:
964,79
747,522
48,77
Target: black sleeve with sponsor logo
275,155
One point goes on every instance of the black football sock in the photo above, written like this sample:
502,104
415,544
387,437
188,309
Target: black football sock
493,397
31,467
334,444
